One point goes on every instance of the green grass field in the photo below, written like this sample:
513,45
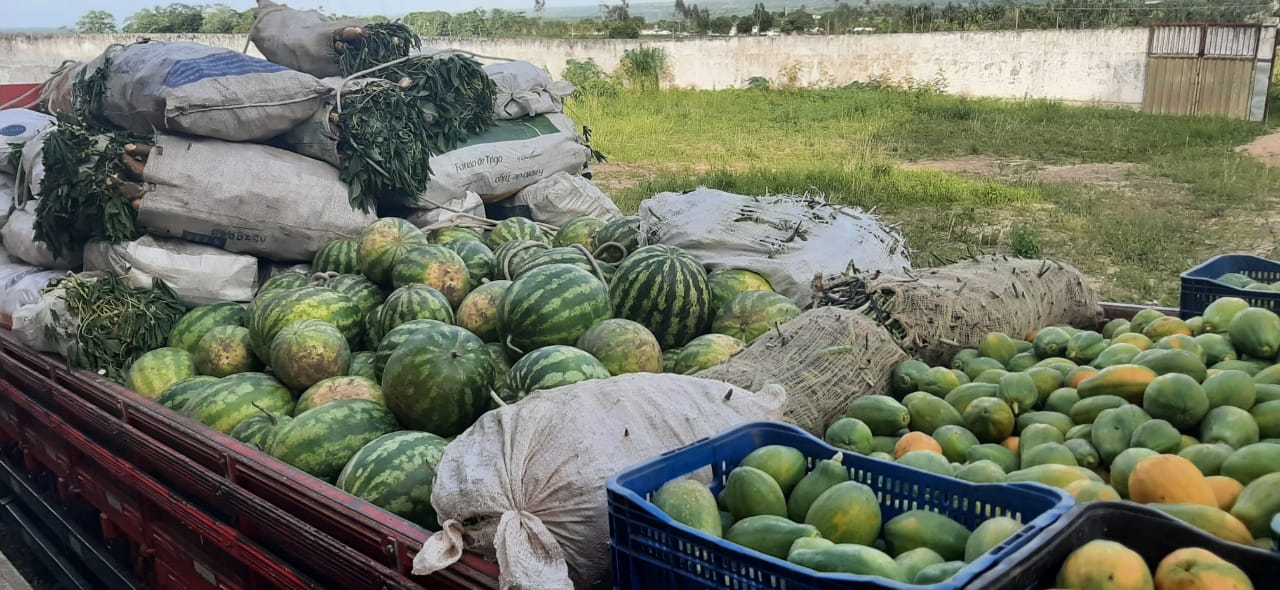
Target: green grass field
962,175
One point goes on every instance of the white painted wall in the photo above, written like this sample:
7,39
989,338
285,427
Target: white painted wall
1087,66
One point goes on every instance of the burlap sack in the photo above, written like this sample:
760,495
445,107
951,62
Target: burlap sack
525,90
824,359
198,274
301,40
557,200
527,482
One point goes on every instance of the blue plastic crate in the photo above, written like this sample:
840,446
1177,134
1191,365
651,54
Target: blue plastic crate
650,550
1200,285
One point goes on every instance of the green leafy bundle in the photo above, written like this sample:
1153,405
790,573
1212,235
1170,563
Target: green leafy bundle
380,43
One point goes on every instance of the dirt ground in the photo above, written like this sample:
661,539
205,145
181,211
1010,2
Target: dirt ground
1265,149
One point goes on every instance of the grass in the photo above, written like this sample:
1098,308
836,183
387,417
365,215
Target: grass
1190,197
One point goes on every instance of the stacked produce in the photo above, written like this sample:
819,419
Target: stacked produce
1112,565
1240,281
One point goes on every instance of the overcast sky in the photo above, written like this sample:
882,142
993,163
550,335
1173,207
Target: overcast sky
20,14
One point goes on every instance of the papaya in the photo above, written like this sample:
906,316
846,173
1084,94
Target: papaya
1023,361
991,533
1182,342
915,560
751,492
960,397
881,456
884,444
1250,367
1166,326
1209,519
938,381
1123,465
1061,400
1047,381
998,346
997,454
1251,462
915,441
690,503
907,376
918,395
1229,425
1255,332
1163,361
1014,444
1085,346
847,512
1052,475
1177,398
1266,393
1193,568
977,366
928,461
850,434
981,471
992,376
1196,324
807,544
1187,441
961,378
1157,435
726,521
1114,428
1035,435
922,528
1060,365
1218,315
769,534
990,419
1048,454
883,414
1217,348
1138,340
1207,457
963,356
955,442
1062,422
785,464
937,573
1258,503
1086,456
1051,342
825,475
1080,431
1140,320
1086,491
1231,388
845,558
1079,375
1019,391
1124,381
930,413
1116,326
1169,479
1116,354
1267,415
1225,489
1105,565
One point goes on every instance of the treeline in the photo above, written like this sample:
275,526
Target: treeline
858,16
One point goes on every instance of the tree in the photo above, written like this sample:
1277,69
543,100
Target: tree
96,22
428,24
220,18
762,18
174,18
627,30
721,25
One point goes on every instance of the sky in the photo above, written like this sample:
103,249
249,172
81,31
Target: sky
25,14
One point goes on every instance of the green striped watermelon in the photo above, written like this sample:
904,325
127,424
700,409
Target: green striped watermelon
383,243
448,235
336,388
340,256
439,381
362,366
154,372
570,256
395,473
373,328
478,313
669,357
581,231
554,304
554,366
617,239
284,281
749,315
268,314
230,401
501,372
225,350
623,346
365,293
307,352
515,228
184,392
725,284
397,336
413,302
258,430
321,441
706,351
665,290
437,267
482,265
509,256
193,326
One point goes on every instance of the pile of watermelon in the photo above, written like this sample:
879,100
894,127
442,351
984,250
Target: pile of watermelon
361,372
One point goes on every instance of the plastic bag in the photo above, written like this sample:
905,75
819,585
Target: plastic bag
471,206
19,236
557,200
525,90
19,126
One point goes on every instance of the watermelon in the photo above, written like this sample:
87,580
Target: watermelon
395,472
554,366
617,239
413,302
482,265
515,228
725,284
438,381
184,392
307,352
554,304
501,372
445,236
257,430
340,256
268,314
478,313
580,231
336,388
397,336
372,328
749,315
665,290
154,372
365,293
285,281
436,267
227,403
225,350
570,256
511,254
706,351
362,366
193,326
623,346
669,359
383,243
321,441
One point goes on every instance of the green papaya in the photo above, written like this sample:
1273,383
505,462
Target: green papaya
1048,454
1266,392
1250,367
1250,462
1023,361
1085,346
690,503
907,375
1207,457
769,534
785,464
960,397
922,528
939,381
1229,425
1115,327
1258,504
961,358
884,444
995,453
988,535
938,573
1051,342
1062,422
977,366
1080,431
883,414
1231,388
847,512
1163,362
1217,348
1256,333
850,434
1061,400
915,560
846,558
955,442
752,492
1117,354
1269,375
825,475
1123,465
1019,391
930,413
981,471
1218,315
1035,435
1085,455
1114,428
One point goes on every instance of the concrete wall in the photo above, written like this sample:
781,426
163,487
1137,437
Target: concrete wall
1090,66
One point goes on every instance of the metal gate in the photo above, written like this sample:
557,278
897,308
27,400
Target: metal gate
1210,69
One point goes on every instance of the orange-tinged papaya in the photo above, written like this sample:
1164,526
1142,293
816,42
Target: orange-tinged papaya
1170,479
998,346
1086,491
847,512
1209,519
1052,475
1125,381
1165,326
1225,489
1078,375
1140,320
1138,340
1014,444
1105,565
1182,342
915,441
1123,465
1193,568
